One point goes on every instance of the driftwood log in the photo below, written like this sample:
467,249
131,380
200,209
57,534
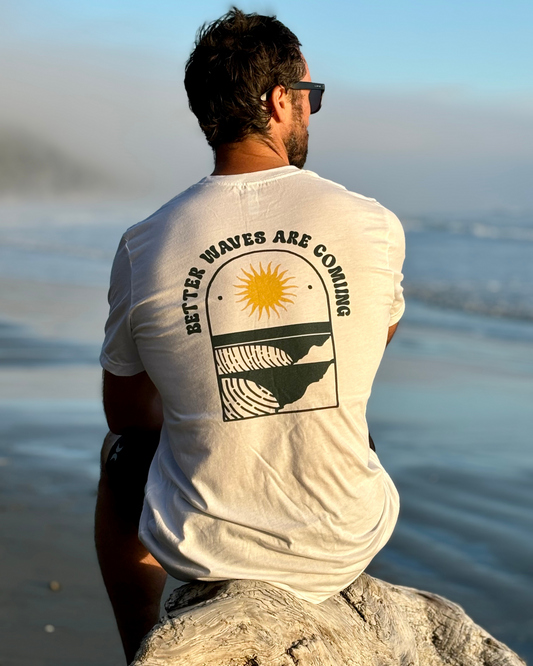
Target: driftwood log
370,623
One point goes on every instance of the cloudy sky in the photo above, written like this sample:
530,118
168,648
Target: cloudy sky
428,106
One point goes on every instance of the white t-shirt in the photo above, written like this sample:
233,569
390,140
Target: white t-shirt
259,305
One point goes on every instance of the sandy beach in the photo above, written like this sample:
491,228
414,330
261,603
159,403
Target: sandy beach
450,414
51,429
453,415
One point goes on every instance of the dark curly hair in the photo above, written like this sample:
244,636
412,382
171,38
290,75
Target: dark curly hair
235,60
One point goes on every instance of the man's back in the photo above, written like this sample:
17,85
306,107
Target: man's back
259,304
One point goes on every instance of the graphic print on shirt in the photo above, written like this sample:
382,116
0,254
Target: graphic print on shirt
270,325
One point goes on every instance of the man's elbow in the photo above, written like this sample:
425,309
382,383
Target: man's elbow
121,420
391,332
115,424
132,403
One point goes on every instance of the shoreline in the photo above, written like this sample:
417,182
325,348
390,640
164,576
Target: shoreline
450,415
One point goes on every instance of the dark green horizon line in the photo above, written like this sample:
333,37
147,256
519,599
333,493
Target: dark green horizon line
266,334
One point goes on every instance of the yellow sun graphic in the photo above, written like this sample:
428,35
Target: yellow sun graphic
265,290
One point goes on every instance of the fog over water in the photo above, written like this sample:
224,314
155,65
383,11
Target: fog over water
124,114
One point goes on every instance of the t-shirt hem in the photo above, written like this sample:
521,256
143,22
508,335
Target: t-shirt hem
120,369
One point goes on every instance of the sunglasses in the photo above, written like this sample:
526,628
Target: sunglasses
316,90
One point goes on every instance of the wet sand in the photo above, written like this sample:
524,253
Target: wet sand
48,493
51,429
451,417
49,450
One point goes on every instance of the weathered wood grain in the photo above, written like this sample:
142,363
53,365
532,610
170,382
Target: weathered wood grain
370,623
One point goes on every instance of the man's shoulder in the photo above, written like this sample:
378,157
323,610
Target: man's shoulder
316,180
304,187
323,188
165,213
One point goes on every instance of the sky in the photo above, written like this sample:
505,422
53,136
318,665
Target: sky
428,105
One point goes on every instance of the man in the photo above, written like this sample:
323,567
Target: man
248,317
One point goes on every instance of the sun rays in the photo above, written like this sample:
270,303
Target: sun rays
265,290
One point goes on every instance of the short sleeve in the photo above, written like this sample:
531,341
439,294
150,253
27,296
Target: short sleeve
396,259
119,353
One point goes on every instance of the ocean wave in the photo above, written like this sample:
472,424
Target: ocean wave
47,247
516,229
491,299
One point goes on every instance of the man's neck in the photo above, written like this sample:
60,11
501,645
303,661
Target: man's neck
249,155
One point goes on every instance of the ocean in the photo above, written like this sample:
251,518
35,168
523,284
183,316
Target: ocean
451,414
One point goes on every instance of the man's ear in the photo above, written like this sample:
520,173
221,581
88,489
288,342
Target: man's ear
281,105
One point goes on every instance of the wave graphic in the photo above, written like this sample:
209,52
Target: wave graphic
250,357
262,371
243,398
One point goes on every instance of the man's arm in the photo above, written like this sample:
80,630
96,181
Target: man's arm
390,335
133,578
392,331
131,402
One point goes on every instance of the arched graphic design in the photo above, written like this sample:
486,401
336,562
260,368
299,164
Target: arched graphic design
269,321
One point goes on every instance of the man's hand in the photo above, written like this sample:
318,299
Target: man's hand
131,402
